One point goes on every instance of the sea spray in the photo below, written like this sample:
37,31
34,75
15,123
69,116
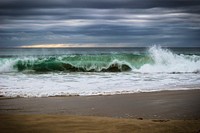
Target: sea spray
166,61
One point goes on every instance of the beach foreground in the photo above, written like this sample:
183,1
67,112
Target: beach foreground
167,111
85,124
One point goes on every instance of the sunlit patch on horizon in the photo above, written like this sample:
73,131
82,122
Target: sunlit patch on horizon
57,45
73,45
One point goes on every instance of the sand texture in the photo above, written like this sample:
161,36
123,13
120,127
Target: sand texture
155,112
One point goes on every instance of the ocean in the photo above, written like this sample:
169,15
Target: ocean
97,71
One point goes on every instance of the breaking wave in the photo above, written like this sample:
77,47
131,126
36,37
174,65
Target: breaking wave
154,60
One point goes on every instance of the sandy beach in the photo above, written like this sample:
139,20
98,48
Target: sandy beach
153,105
167,111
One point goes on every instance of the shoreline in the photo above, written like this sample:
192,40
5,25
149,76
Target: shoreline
191,88
176,104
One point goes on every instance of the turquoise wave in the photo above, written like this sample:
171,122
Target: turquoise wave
81,63
155,60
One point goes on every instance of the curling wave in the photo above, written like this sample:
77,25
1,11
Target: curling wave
154,60
74,63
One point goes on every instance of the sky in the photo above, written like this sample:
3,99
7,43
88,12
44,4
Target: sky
99,23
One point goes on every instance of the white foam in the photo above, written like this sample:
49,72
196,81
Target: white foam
168,62
7,65
52,84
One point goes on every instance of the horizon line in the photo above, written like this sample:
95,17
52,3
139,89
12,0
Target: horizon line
38,46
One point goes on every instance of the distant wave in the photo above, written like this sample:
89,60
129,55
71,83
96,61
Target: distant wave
155,60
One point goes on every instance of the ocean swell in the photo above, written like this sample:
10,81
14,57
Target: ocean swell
155,60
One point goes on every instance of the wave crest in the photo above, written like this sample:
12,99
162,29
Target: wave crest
155,60
165,61
52,64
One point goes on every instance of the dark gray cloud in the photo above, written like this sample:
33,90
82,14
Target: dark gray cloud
103,23
101,4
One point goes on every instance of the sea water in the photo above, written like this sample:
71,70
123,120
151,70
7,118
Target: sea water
97,71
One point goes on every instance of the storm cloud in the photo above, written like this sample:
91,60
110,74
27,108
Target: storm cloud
112,23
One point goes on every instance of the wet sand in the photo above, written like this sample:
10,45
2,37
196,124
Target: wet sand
166,111
152,105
